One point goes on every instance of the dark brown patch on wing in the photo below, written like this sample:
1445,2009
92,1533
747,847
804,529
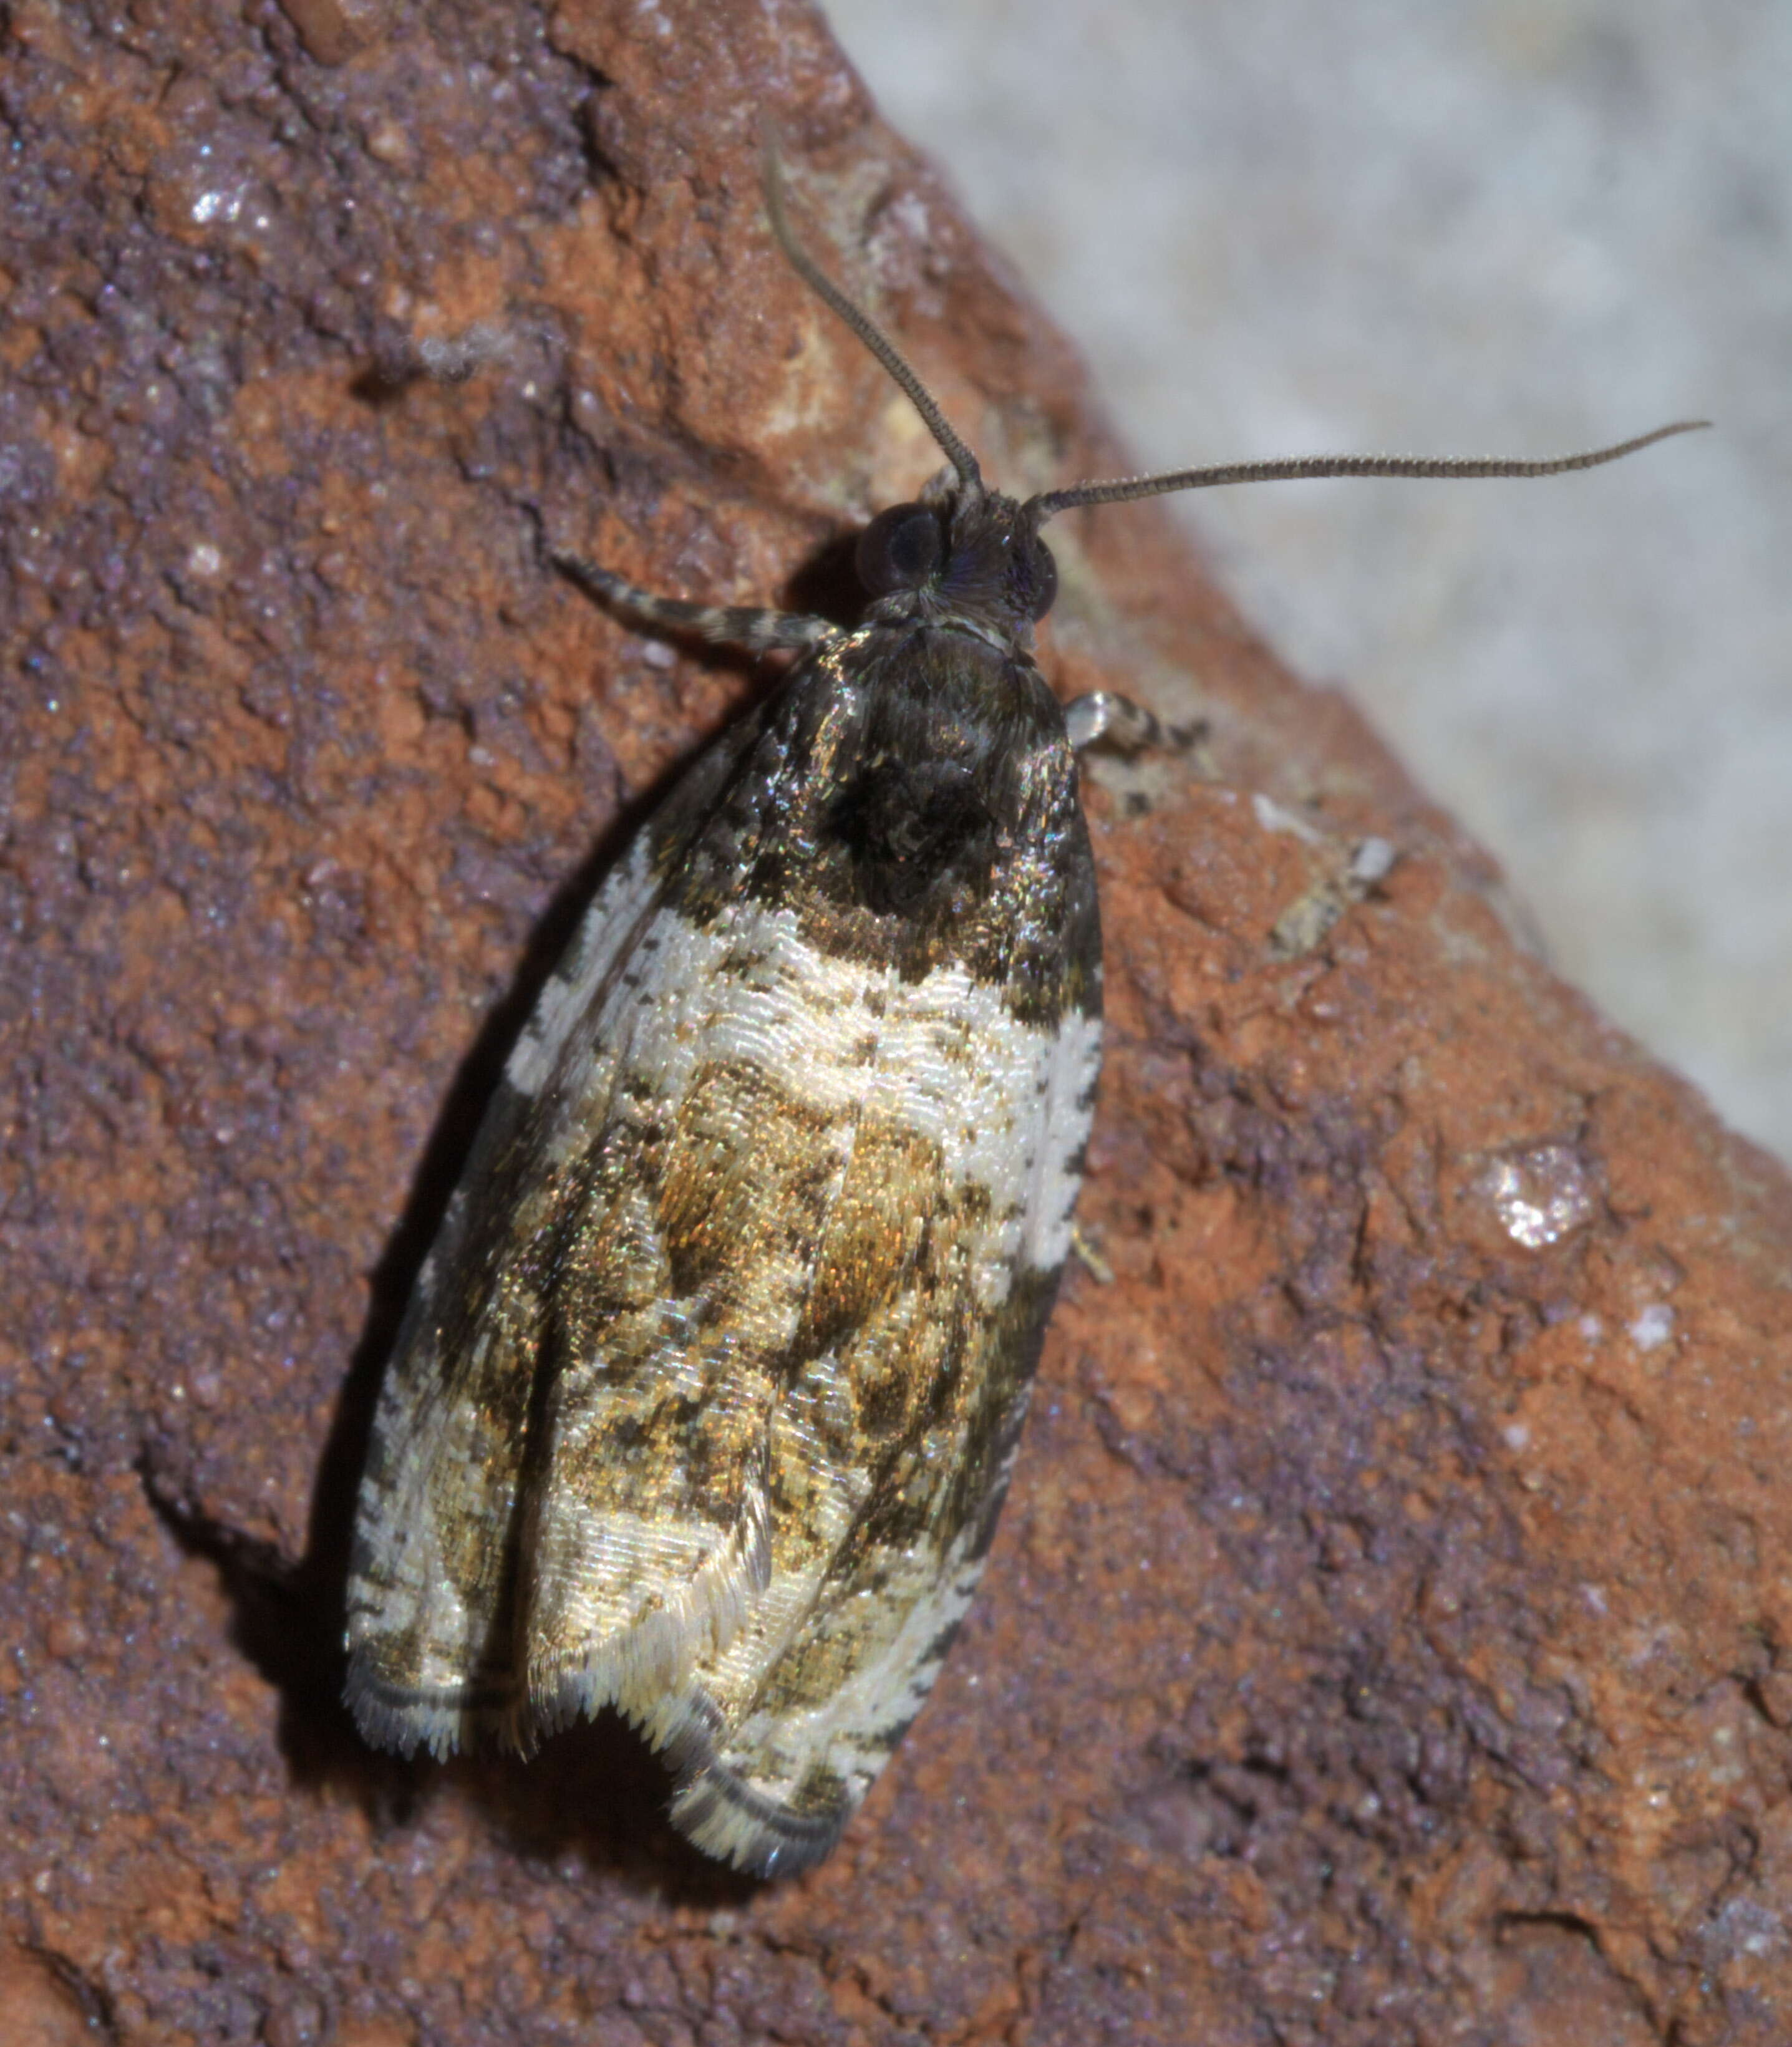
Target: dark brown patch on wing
748,1172
876,1233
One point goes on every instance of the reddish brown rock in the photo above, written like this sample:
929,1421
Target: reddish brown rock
1386,1641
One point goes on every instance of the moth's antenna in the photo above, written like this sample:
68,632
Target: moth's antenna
830,295
1042,507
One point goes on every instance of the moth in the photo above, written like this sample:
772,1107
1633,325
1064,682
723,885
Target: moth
706,1398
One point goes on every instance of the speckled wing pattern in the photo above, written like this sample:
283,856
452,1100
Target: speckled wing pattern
706,1400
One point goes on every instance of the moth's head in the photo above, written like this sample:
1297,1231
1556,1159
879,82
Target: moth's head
965,552
958,551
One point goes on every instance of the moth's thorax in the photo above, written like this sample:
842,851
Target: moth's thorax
994,576
912,800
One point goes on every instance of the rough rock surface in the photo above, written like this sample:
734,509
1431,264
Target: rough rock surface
1387,1639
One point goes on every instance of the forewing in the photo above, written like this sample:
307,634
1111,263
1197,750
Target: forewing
890,1452
430,1590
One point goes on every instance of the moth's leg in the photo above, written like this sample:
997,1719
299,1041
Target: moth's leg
1127,726
752,626
1100,1270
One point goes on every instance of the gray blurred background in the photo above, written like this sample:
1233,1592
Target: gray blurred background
1510,226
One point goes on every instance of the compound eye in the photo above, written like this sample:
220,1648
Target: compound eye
1044,580
899,550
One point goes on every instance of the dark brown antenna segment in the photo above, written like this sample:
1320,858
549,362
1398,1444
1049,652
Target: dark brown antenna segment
830,295
1118,488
